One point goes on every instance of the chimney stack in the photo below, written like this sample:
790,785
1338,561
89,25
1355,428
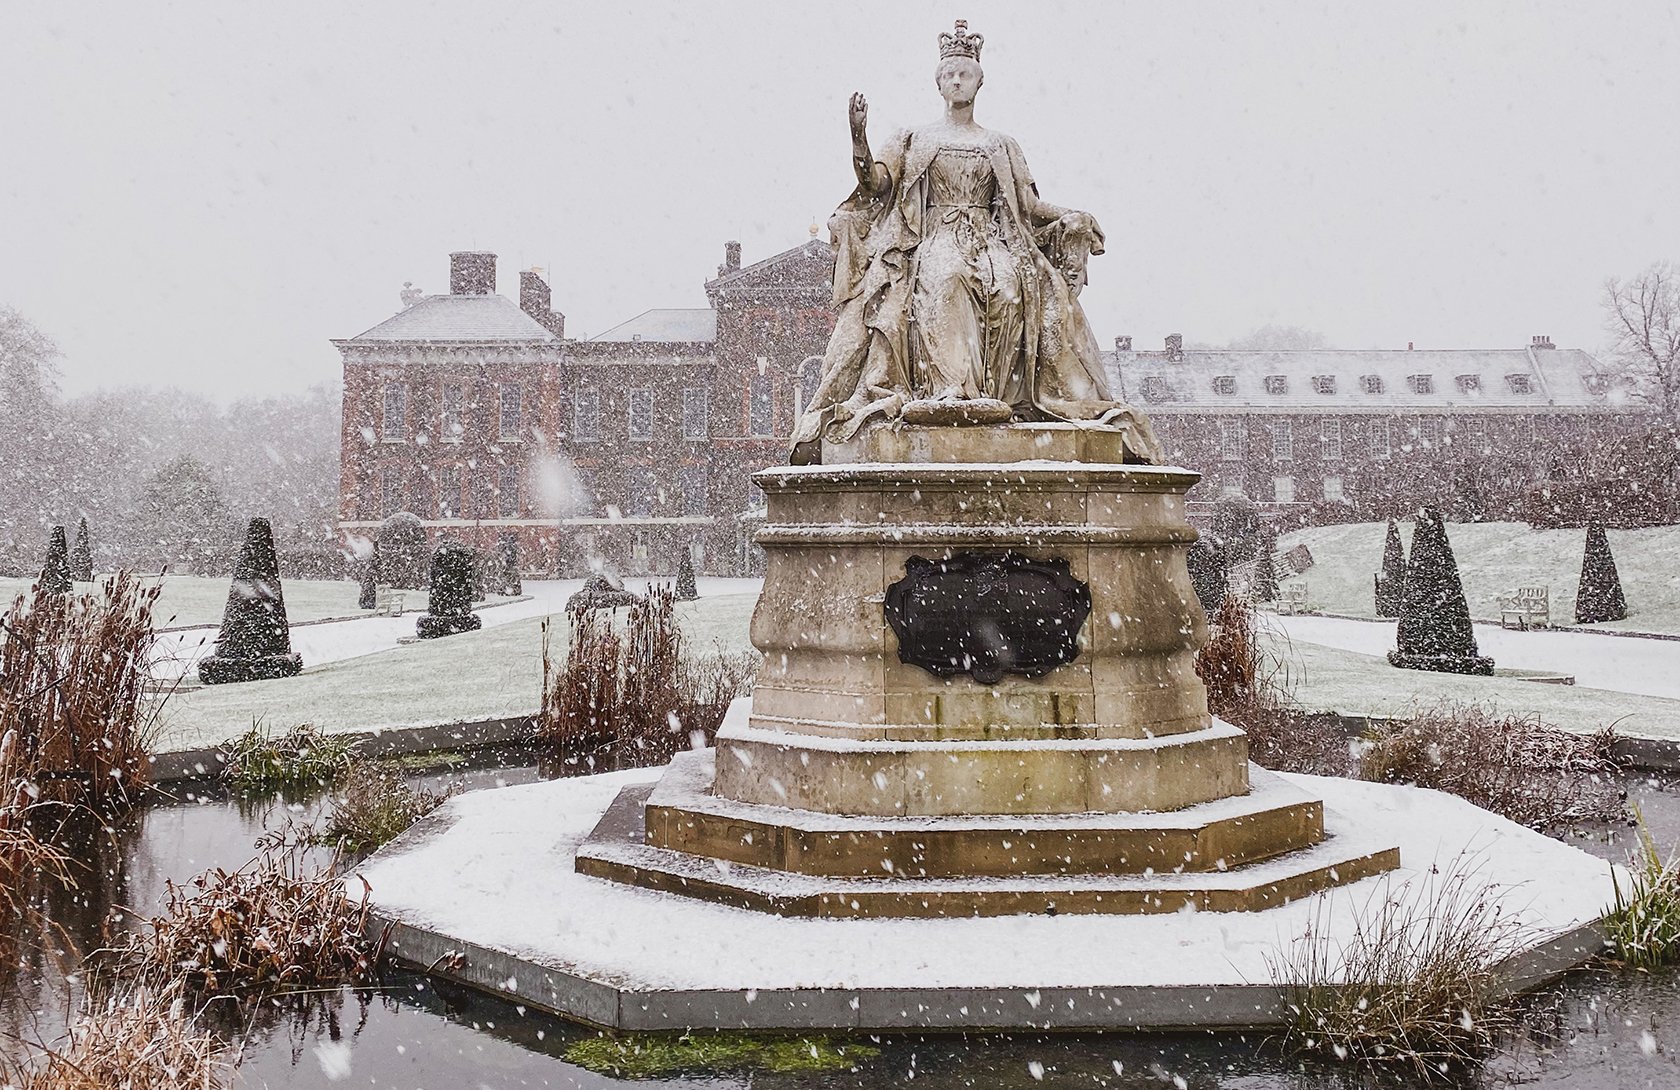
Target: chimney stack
731,259
472,272
1122,344
535,300
1175,347
1542,340
1408,346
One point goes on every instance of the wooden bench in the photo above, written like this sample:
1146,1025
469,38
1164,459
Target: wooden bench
1526,607
1292,597
387,603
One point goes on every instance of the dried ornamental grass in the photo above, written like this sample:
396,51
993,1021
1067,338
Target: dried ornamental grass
143,1039
276,924
73,676
1414,985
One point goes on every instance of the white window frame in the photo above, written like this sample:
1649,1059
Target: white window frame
645,395
393,427
697,413
586,425
1283,441
450,411
1380,436
1330,440
761,384
1230,439
514,391
449,498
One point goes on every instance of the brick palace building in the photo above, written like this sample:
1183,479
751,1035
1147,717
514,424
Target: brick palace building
481,417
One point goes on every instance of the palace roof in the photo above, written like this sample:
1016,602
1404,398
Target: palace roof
459,318
679,325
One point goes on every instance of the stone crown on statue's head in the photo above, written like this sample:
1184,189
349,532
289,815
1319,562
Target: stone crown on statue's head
960,43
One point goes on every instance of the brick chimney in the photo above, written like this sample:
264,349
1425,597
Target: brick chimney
1542,340
731,259
472,272
1122,344
534,299
1175,346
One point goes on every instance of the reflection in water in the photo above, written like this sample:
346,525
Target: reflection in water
1598,1029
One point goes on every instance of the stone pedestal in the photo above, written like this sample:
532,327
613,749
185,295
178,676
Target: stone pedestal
853,765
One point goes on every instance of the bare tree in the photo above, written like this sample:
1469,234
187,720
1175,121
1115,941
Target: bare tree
1643,317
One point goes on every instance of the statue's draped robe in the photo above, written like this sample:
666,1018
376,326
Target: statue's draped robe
1050,367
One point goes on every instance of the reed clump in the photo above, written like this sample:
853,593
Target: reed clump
374,805
1643,927
304,756
638,690
23,852
139,1039
1514,765
281,923
73,692
1414,983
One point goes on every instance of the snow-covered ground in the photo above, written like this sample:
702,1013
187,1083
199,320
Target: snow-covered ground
197,600
1496,557
1624,665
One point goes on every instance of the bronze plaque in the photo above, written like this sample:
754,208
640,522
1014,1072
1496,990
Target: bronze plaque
987,614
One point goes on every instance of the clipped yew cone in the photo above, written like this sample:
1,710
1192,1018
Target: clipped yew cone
255,643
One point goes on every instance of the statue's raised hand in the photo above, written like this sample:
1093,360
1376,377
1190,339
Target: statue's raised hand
858,113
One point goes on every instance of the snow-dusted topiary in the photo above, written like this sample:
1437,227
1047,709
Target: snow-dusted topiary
449,606
1600,595
1208,573
1265,584
368,596
55,573
1435,631
255,642
402,551
81,555
508,547
686,591
1391,582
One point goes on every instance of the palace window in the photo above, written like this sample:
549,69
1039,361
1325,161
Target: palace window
586,414
810,377
1520,383
1333,490
640,486
1476,436
449,493
1225,385
1421,384
694,491
1324,384
1277,384
396,411
761,419
1469,384
391,490
1231,440
1155,388
695,422
1283,489
1371,384
513,406
641,413
1330,440
507,492
1380,435
1283,441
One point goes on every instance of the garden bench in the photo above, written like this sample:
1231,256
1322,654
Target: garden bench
1292,597
387,603
1526,607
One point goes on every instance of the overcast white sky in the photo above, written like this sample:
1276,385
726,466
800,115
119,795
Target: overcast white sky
204,194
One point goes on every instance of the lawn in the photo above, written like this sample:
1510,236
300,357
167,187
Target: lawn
190,600
494,673
1496,557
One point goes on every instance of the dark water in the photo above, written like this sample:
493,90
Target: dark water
1597,1028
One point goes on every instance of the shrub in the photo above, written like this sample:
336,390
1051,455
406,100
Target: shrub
1434,632
374,805
55,573
1415,984
1514,765
455,569
640,690
81,555
1599,597
686,591
73,673
255,641
1643,927
1391,584
277,923
142,1039
1209,573
660,1055
402,549
302,757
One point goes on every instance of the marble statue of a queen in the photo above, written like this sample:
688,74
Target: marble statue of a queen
957,286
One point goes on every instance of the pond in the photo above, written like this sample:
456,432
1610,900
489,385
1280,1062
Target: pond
1599,1027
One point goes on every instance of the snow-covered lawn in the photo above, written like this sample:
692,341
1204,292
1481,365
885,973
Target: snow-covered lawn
495,673
198,600
1496,557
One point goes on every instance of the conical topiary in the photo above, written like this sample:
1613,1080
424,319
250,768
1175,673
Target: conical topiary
1265,585
1391,582
81,555
509,546
1600,595
449,605
1435,631
368,596
1206,561
255,642
686,590
55,573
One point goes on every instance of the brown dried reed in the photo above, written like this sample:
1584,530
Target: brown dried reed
22,851
281,923
637,690
73,671
142,1039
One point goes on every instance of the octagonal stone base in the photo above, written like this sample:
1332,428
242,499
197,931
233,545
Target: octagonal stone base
485,891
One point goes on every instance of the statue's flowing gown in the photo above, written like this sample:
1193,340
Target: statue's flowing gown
946,289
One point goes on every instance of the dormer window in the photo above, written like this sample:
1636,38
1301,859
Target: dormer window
1224,385
1324,384
1371,384
1155,388
1469,384
1421,384
1277,384
1520,383
1595,383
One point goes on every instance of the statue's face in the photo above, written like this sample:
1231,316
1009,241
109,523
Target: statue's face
959,80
